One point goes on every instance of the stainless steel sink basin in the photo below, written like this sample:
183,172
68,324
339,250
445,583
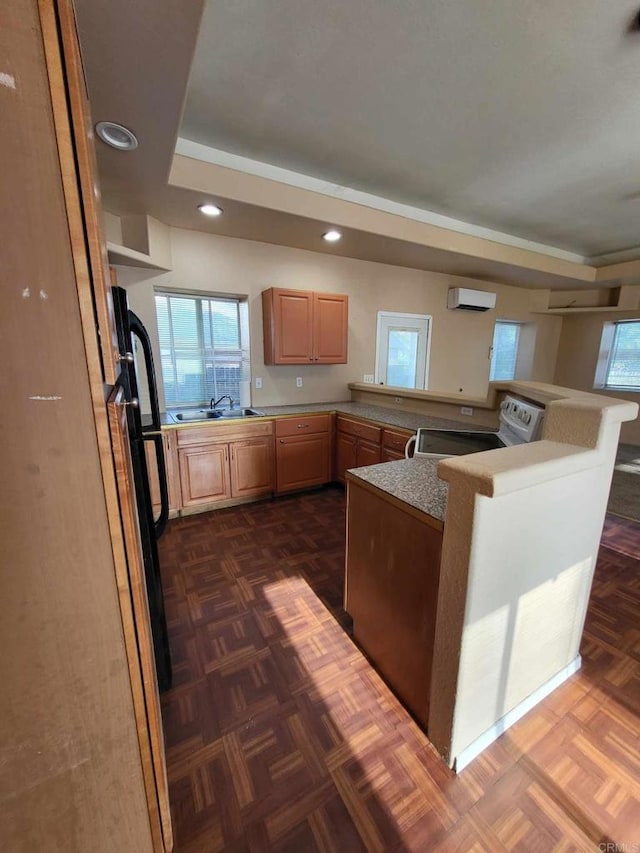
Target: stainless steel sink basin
242,413
191,415
204,415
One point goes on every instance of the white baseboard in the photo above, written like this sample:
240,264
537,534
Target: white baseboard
479,744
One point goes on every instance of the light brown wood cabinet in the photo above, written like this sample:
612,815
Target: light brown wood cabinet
393,444
303,452
392,580
304,327
170,448
219,463
357,444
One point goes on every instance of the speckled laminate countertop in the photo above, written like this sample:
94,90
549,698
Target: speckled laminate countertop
413,481
379,414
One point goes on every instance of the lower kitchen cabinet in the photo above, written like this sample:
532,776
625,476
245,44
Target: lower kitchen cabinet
357,444
303,452
222,462
392,580
169,446
393,444
204,474
251,467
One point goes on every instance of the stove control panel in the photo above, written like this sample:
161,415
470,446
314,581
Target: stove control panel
523,418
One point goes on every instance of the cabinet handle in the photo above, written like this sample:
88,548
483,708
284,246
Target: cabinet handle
232,452
282,441
303,426
226,456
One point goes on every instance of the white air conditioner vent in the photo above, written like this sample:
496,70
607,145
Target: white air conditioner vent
464,299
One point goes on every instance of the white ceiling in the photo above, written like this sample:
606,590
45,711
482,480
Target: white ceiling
514,115
520,115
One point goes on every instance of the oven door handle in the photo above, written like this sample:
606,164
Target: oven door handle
408,447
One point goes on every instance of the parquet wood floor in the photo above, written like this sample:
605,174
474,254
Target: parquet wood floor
280,736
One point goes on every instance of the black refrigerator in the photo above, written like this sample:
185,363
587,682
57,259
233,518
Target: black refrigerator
138,374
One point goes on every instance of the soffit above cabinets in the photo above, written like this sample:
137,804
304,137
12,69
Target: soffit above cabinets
516,121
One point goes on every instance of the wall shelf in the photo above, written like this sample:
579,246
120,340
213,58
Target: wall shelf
125,257
594,301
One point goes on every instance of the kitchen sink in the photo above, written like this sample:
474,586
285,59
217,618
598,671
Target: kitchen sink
242,413
191,415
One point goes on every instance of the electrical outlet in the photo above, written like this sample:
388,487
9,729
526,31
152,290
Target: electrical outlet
368,378
257,383
298,381
466,410
398,400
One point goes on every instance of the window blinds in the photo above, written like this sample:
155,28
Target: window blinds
201,348
504,352
624,362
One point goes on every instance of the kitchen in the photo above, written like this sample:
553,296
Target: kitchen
279,387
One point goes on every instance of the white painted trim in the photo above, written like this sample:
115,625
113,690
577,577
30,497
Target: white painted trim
197,151
480,744
400,314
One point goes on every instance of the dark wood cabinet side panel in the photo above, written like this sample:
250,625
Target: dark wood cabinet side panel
392,578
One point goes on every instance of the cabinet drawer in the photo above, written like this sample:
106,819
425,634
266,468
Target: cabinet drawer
189,436
395,440
302,426
359,429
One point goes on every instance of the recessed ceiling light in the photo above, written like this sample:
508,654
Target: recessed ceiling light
116,135
210,209
332,236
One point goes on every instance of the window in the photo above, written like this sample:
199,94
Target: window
622,340
402,349
204,348
504,351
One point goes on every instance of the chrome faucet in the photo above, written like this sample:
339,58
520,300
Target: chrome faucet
213,405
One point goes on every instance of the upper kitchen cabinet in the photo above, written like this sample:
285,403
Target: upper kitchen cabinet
304,327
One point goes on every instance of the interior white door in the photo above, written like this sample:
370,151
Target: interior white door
402,349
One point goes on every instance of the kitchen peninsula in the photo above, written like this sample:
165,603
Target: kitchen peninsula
482,600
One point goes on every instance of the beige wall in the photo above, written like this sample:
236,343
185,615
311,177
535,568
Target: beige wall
460,340
578,357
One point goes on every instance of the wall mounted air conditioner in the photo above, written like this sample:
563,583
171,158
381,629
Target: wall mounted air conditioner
470,300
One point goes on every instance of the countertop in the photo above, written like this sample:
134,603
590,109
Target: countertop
413,481
379,414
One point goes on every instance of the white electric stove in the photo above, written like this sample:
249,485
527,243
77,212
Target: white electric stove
520,423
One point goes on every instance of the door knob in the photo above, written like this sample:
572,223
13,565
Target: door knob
128,357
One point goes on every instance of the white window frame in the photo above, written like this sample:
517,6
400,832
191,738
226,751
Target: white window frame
605,357
244,351
519,326
403,315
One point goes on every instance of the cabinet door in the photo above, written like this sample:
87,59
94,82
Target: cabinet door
387,455
367,453
251,467
345,454
292,326
171,465
302,461
330,328
204,474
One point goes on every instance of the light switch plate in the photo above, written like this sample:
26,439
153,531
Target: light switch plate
466,410
368,378
257,383
298,381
